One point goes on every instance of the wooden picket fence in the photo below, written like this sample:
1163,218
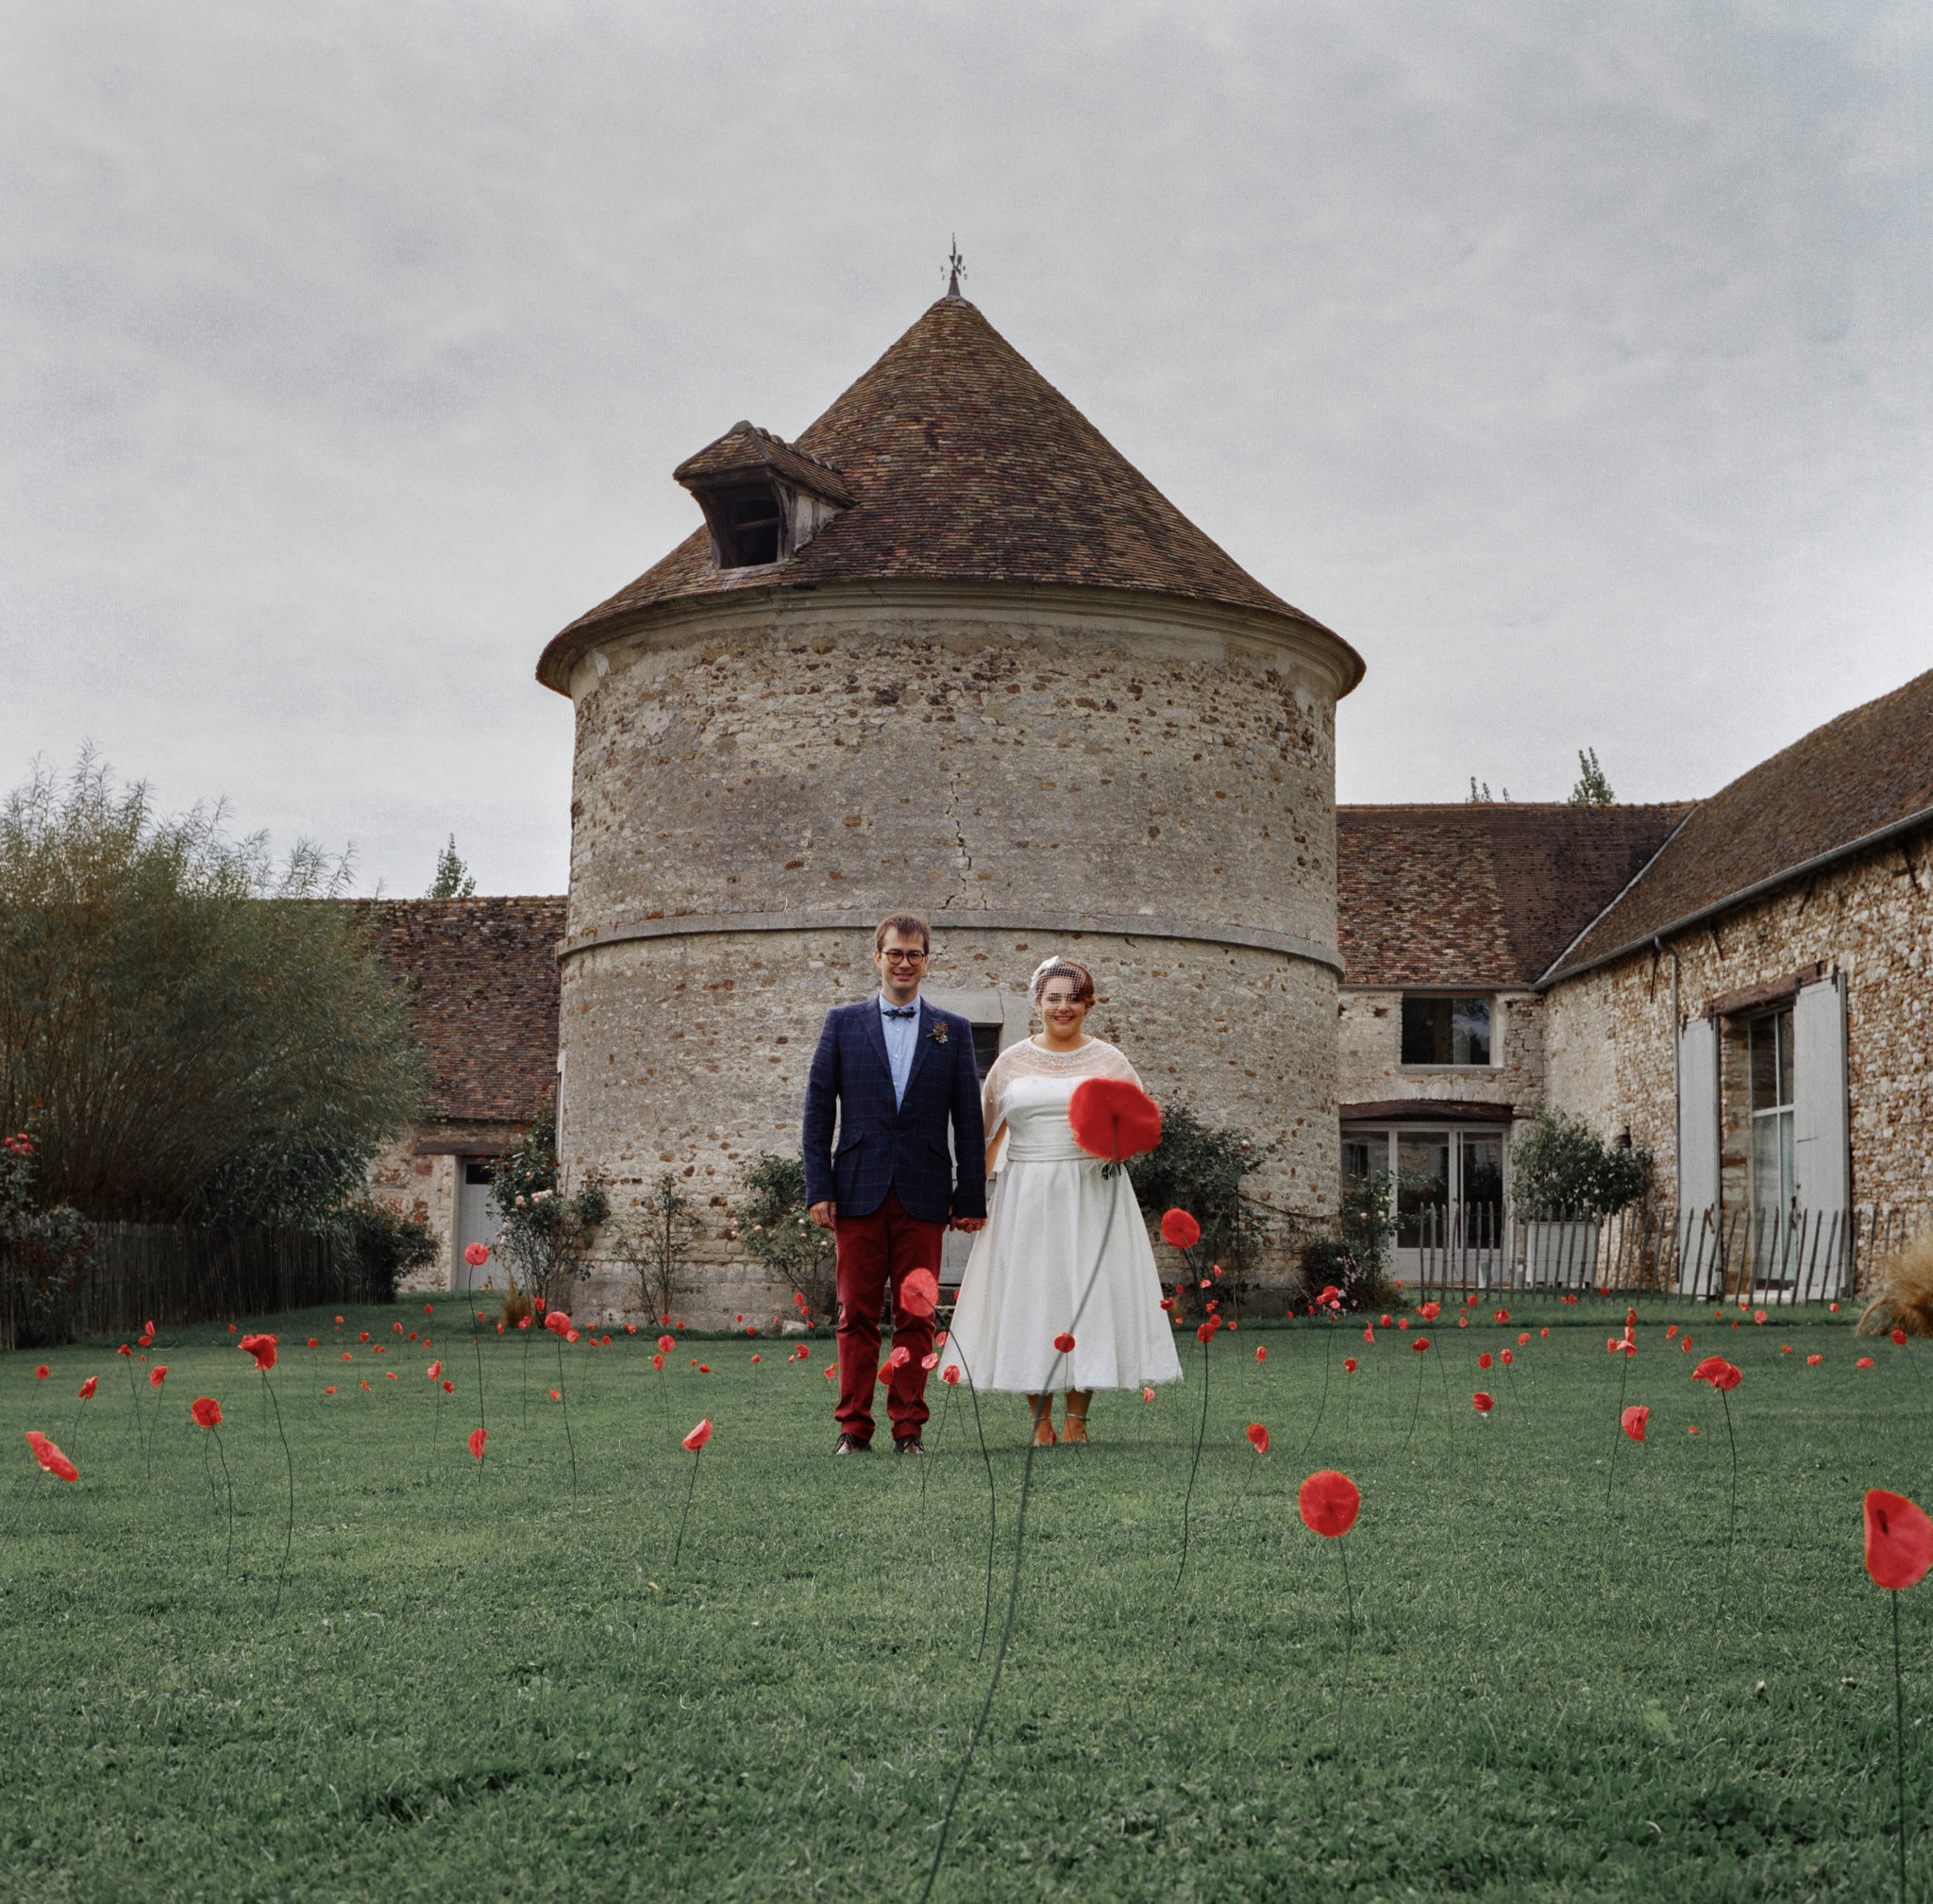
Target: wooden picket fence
1760,1257
176,1274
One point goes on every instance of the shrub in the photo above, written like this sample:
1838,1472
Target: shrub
44,1253
387,1244
1560,1168
772,1222
1200,1170
652,1243
197,1035
545,1243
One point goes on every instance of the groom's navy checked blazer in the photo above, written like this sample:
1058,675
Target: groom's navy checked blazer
887,1146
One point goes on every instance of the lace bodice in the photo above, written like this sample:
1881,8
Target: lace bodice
1026,1060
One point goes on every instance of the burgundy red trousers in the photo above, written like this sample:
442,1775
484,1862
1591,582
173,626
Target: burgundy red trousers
876,1253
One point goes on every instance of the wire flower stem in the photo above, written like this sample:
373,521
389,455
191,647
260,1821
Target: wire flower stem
686,1515
289,1462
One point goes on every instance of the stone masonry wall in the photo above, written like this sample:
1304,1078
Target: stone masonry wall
1609,1032
1370,1035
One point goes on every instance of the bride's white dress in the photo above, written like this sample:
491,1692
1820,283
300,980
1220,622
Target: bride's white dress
1029,1267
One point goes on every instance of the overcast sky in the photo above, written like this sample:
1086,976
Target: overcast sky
1573,362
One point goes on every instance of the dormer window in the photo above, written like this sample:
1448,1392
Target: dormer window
763,498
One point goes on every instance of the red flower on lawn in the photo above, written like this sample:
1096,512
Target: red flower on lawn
1508,1359
42,1372
50,1457
330,1390
1899,1540
698,1436
1179,1228
831,1371
1430,1311
262,1348
1483,1403
919,1294
1111,1118
158,1375
1348,1365
1633,1419
1864,1362
657,1362
1258,1436
1482,1362
1503,1317
555,1396
450,1388
1261,1354
478,1436
207,1411
950,1375
87,1388
557,1321
1064,1343
476,1254
1329,1503
1899,1338
929,1361
667,1344
1421,1343
1813,1361
1718,1371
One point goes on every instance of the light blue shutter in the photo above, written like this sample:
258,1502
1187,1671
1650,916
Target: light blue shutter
1698,1154
1821,1153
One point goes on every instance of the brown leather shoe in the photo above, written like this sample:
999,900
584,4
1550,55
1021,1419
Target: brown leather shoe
852,1444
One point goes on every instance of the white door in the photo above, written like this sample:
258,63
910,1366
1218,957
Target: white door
476,1223
1698,1267
1821,1148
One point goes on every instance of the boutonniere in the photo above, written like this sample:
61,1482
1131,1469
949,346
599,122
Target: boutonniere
938,1034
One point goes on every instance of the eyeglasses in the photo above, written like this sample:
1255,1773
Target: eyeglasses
903,958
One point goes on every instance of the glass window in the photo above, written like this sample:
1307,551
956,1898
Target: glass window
1422,1183
1446,1030
1772,1110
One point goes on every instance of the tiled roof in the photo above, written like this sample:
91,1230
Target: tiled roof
1480,893
1866,771
968,465
484,1003
746,447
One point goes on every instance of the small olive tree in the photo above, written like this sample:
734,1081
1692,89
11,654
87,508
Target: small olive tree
772,1222
1562,1168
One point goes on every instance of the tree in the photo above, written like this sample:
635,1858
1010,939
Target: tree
453,878
545,1242
772,1224
652,1244
1562,1168
43,1253
1592,788
194,1033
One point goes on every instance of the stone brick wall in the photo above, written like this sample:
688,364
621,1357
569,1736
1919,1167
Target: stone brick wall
1609,1032
1036,773
1370,1029
426,1187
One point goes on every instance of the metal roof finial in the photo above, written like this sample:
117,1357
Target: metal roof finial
956,268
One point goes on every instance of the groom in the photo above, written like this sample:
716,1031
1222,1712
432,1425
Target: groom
896,1071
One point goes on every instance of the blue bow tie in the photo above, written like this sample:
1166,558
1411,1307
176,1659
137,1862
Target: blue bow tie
901,1011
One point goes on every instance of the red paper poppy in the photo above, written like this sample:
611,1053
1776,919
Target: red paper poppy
478,1437
363,1337
1899,1338
1864,1362
1522,1338
570,1335
1111,1118
125,1350
1502,1317
1348,1365
1385,1324
1402,1321
1329,1503
950,1375
262,1348
556,1395
50,1457
704,1368
1368,1335
1430,1311
42,1372
330,1390
698,1436
448,1388
831,1371
1179,1228
1258,1436
1147,1395
1508,1359
434,1371
657,1362
757,1359
1633,1419
557,1321
919,1294
1718,1371
1331,1298
1482,1362
150,1328
87,1388
1064,1343
1899,1540
1483,1403
158,1375
1167,1303
142,1341
805,1348
1261,1353
1813,1361
929,1361
1421,1343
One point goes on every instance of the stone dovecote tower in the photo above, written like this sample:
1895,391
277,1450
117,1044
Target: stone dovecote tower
947,652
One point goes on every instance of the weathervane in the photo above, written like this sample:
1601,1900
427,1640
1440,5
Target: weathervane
956,268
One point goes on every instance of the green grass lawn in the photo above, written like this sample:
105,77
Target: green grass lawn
478,1686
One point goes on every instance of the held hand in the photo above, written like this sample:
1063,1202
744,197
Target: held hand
822,1214
969,1223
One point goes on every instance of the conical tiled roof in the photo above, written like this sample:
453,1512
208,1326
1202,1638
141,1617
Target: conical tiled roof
966,466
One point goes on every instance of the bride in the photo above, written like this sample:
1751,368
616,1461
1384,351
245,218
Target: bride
1048,1212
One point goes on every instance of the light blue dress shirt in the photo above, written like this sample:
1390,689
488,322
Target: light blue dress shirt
902,1040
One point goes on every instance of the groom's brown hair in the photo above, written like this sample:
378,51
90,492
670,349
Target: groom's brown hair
905,925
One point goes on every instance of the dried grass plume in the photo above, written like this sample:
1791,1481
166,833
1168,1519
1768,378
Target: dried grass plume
1905,1296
